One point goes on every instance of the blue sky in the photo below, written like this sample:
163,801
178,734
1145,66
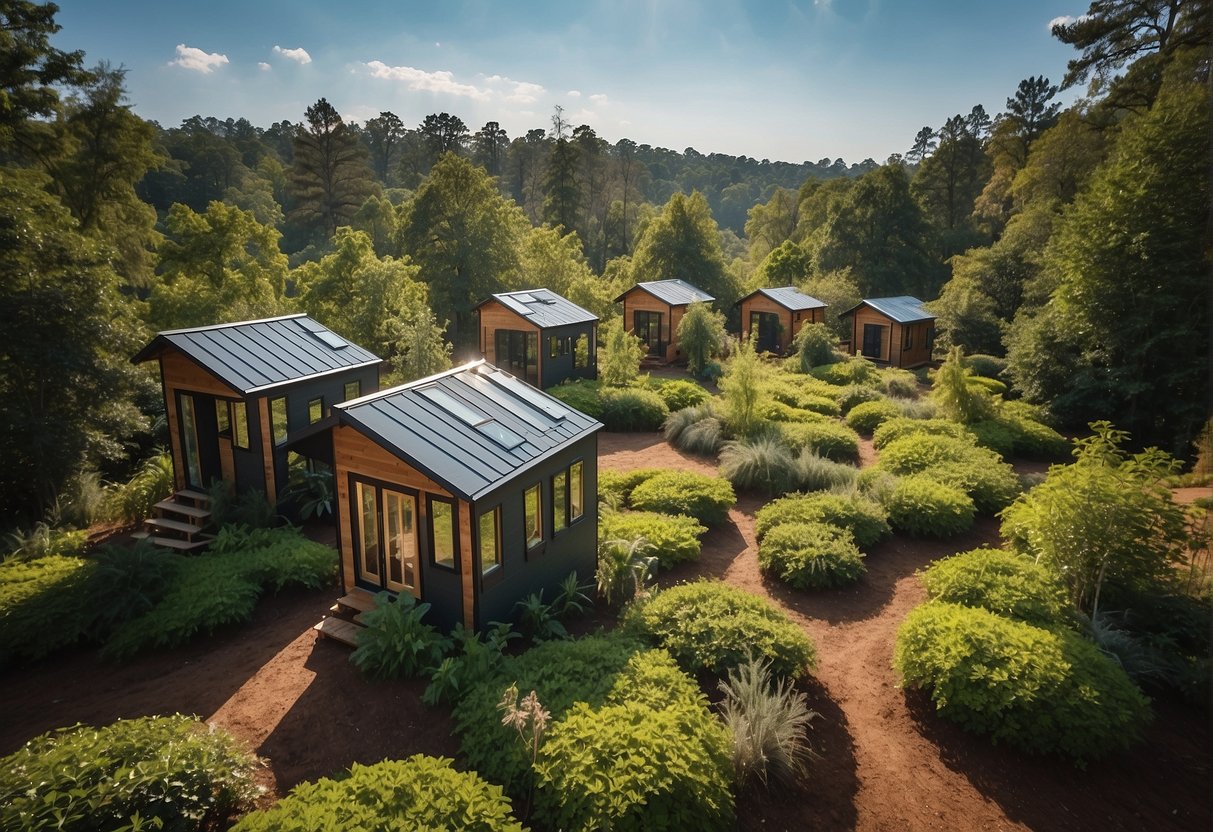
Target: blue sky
795,80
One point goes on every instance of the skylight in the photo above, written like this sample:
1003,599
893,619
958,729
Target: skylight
540,401
500,434
491,428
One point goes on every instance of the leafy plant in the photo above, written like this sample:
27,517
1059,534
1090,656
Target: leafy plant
632,409
44,606
314,493
475,659
811,555
43,541
741,385
619,361
571,600
867,416
395,643
615,487
767,719
670,538
899,383
130,581
999,581
861,516
420,792
712,626
169,772
700,335
623,569
815,345
537,620
854,370
828,439
900,427
707,499
922,507
583,395
979,472
854,395
133,501
763,464
958,398
679,394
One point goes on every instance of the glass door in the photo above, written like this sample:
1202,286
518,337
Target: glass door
872,336
764,327
367,562
399,514
189,440
648,329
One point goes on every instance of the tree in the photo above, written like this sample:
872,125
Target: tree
701,335
329,179
65,378
954,393
786,265
443,133
684,242
553,260
1030,107
948,182
383,137
421,350
815,345
33,71
741,385
770,224
489,146
619,360
925,141
562,203
836,289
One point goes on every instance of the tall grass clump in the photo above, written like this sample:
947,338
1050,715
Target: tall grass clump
695,429
762,464
816,473
768,720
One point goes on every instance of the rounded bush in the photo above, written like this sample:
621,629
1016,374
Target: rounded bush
709,625
173,770
922,507
992,485
777,411
902,426
763,464
632,409
707,499
854,370
863,518
679,393
993,434
990,385
856,394
999,581
979,472
865,417
811,555
918,453
672,538
615,487
829,439
898,382
986,366
1045,691
418,793
583,395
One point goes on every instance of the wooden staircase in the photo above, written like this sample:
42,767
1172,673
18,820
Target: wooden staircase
346,619
177,523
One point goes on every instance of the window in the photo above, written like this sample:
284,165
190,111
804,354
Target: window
576,492
315,410
278,419
907,338
581,353
533,508
223,420
368,507
240,425
560,501
353,389
490,541
442,533
558,345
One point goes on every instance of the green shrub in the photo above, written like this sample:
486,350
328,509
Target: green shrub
173,772
811,555
679,394
762,464
815,473
44,540
615,487
815,345
829,439
854,370
803,394
133,501
776,411
474,659
876,484
583,395
394,642
1045,691
1031,438
922,507
856,394
767,719
865,417
993,434
957,392
901,427
713,626
418,793
992,485
979,472
991,385
898,382
916,408
696,430
999,581
707,499
44,606
129,581
862,517
986,366
632,409
671,538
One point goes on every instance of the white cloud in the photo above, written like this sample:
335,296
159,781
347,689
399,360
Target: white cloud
263,66
188,57
299,55
598,98
418,79
573,93
524,92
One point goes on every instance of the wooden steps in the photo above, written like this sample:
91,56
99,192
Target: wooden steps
177,523
355,601
338,629
346,619
173,507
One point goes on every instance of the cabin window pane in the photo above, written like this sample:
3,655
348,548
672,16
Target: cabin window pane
399,511
442,533
908,338
223,418
576,492
353,389
553,346
240,425
581,355
490,541
534,516
315,410
560,501
368,533
278,419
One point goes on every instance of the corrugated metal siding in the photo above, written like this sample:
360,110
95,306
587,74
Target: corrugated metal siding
545,308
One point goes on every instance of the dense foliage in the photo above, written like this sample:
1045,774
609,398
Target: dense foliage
671,538
811,555
707,499
862,517
1000,581
922,507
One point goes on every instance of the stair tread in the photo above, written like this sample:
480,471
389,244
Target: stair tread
196,496
172,525
176,543
181,508
357,599
338,629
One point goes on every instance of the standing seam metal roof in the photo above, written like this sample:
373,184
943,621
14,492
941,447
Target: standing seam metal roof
250,356
543,307
789,297
675,292
903,309
438,442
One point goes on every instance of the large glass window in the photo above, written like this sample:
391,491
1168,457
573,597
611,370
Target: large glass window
353,389
442,533
560,501
576,491
278,419
490,541
315,410
399,528
533,508
240,425
223,419
368,537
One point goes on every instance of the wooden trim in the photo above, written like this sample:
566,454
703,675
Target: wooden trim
267,451
465,555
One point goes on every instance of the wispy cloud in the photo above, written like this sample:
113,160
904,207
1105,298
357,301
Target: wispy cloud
440,81
517,92
573,93
298,55
598,98
189,57
263,66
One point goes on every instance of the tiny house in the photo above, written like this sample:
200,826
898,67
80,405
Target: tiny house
896,331
775,316
653,310
538,336
234,393
469,490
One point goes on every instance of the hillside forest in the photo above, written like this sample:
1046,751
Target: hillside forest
1075,242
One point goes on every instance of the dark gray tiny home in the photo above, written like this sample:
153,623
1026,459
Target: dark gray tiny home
469,490
534,335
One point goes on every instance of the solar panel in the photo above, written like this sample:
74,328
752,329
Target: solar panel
453,406
500,434
332,339
309,325
523,297
537,400
505,400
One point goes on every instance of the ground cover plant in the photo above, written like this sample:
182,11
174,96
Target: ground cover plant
811,555
419,792
170,772
670,538
859,515
707,499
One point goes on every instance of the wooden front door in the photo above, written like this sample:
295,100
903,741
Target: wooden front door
764,329
385,532
647,327
873,334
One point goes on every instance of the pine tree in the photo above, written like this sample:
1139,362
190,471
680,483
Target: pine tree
330,178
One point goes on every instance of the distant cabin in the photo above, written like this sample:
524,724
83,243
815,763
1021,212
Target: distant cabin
235,393
777,315
469,490
896,331
652,311
534,335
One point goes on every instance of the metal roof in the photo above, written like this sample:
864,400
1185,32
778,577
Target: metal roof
902,309
470,429
543,307
251,356
789,297
675,292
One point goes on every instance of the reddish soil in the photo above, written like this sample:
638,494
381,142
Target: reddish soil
887,762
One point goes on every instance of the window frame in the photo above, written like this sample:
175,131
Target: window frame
907,337
431,555
279,403
493,573
560,513
533,545
315,410
223,418
580,465
357,385
240,428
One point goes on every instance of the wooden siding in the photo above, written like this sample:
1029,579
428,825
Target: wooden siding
892,351
761,303
639,300
267,450
467,571
866,315
180,373
227,462
494,316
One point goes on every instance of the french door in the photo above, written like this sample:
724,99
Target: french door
385,521
873,335
648,329
517,352
764,327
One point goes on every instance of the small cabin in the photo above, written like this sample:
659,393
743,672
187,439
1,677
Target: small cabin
235,393
896,331
538,336
469,489
775,316
652,311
